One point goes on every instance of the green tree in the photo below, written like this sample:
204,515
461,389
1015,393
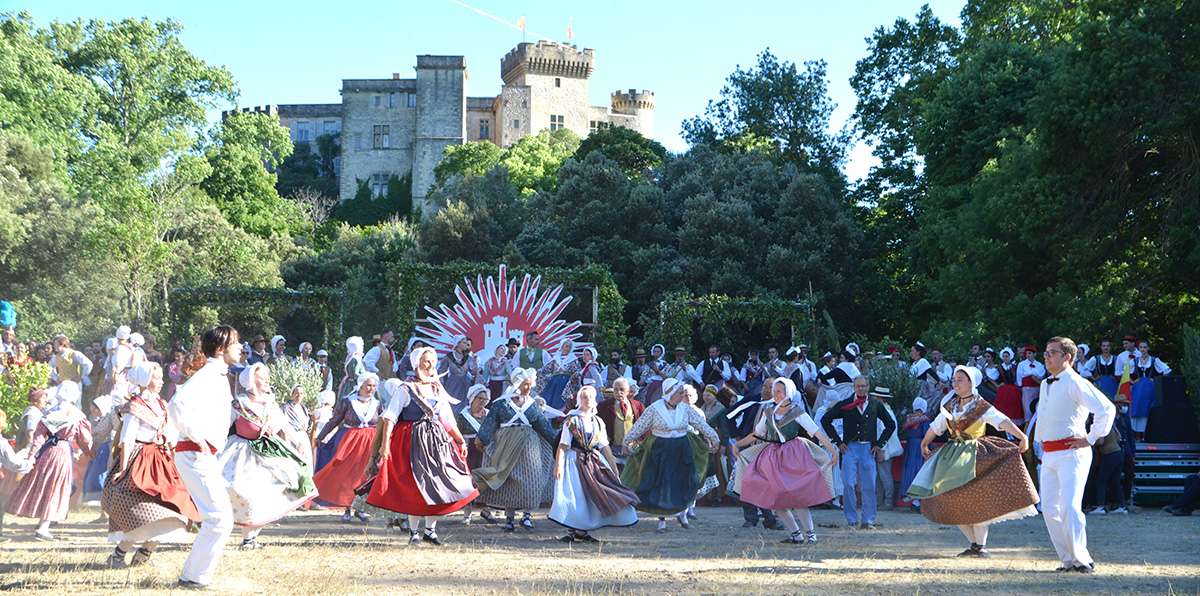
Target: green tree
246,149
775,100
636,154
473,158
533,161
366,210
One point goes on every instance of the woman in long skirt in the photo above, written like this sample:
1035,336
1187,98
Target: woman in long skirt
588,494
518,463
973,480
323,451
45,493
556,375
104,422
145,499
422,458
469,420
915,425
788,474
669,462
355,416
266,463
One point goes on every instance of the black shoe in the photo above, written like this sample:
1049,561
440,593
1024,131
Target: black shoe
431,537
796,537
568,538
186,584
866,526
508,526
1085,569
1181,512
749,524
585,537
1063,569
772,525
487,517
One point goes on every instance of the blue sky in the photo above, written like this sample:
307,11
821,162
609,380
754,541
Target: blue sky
298,51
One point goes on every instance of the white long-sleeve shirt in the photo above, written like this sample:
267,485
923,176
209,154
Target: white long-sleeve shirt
1064,405
201,409
85,366
1033,369
371,360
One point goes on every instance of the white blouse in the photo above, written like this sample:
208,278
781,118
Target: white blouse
993,416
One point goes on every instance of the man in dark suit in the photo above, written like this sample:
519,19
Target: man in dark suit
860,442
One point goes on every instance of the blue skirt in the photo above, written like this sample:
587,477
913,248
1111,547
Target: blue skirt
326,450
97,473
1143,398
554,391
913,460
1109,385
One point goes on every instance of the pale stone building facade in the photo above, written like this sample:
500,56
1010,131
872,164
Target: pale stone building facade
400,126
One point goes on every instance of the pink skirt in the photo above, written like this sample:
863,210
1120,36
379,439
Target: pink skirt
45,492
785,476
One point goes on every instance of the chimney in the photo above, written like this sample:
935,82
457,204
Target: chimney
395,76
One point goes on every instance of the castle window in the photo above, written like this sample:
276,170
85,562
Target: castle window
516,124
381,136
330,127
594,125
392,100
378,99
379,185
557,121
302,132
484,130
412,100
557,82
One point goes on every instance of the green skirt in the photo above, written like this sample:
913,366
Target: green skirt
666,474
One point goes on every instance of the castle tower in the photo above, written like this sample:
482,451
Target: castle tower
545,87
441,115
639,104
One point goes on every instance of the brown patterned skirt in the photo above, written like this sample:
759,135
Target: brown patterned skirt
127,506
1002,486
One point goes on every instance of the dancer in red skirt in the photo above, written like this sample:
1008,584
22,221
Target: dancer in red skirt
422,458
357,414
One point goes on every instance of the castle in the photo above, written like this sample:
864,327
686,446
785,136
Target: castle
402,126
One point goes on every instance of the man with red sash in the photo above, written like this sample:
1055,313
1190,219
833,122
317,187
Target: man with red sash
1064,403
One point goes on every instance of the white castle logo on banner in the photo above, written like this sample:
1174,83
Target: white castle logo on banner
496,309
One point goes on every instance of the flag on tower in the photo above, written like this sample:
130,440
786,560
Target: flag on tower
570,30
521,23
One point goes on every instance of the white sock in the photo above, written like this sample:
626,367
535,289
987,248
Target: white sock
789,520
806,520
44,526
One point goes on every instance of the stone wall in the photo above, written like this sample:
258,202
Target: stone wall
360,114
441,115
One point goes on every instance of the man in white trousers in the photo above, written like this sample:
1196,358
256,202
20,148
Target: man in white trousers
201,412
1064,402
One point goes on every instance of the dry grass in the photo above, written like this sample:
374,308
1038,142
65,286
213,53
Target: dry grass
313,552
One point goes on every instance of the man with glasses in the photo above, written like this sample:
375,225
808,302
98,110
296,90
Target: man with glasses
1065,400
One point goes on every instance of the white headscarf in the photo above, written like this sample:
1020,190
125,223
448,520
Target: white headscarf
326,397
276,341
920,404
246,377
137,339
305,343
1011,354
570,357
792,395
975,375
362,379
354,347
520,375
670,387
141,374
594,353
476,390
123,332
414,359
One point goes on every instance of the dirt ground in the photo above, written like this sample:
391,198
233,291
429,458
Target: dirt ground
1148,552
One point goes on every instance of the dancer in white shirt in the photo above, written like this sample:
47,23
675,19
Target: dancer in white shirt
1064,402
202,412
